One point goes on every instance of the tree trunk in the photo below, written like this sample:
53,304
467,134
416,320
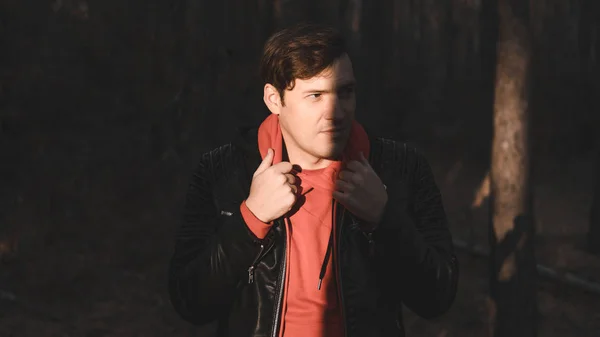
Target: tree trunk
594,230
367,67
434,28
589,27
373,66
513,307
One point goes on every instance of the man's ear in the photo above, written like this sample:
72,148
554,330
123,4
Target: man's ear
272,99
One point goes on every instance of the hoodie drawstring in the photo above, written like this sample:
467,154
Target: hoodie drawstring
329,247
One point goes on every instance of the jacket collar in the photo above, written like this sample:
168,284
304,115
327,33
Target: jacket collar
246,140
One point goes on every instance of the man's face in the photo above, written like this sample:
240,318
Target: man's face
318,112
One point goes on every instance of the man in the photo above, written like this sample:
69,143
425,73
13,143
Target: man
291,231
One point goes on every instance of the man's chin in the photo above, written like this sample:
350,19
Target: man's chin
335,153
334,157
334,150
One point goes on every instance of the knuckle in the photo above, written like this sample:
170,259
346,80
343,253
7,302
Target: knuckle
358,179
285,166
281,179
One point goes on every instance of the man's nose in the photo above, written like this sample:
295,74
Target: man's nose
336,110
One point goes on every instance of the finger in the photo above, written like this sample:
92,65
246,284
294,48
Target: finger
354,177
344,186
341,197
294,189
266,162
364,160
291,179
357,179
355,166
346,199
345,175
283,167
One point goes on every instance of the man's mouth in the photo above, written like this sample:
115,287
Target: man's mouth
336,130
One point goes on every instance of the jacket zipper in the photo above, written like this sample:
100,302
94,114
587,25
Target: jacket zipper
253,265
339,271
371,242
280,284
260,255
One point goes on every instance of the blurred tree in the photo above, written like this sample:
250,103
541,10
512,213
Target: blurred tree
513,306
435,27
370,66
594,230
589,43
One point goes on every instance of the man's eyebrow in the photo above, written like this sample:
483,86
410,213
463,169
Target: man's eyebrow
344,85
347,84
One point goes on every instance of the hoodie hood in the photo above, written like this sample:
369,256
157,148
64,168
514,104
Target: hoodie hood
270,136
315,204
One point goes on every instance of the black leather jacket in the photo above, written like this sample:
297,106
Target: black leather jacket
408,259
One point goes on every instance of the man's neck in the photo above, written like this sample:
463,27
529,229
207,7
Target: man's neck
305,160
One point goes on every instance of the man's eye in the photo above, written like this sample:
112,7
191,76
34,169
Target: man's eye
346,92
314,96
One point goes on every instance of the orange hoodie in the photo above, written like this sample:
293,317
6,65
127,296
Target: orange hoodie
311,305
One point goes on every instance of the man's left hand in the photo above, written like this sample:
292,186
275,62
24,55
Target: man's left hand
361,191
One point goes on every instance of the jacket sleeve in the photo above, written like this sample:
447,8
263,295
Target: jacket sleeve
423,254
212,253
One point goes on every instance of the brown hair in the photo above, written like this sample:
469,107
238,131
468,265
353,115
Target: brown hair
299,52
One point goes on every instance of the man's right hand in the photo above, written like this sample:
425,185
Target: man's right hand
273,190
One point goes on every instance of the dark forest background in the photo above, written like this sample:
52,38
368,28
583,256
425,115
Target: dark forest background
106,106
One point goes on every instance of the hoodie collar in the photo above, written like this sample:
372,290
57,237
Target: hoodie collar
246,140
269,136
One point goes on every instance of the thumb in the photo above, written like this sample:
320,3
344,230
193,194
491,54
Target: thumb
266,163
364,159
